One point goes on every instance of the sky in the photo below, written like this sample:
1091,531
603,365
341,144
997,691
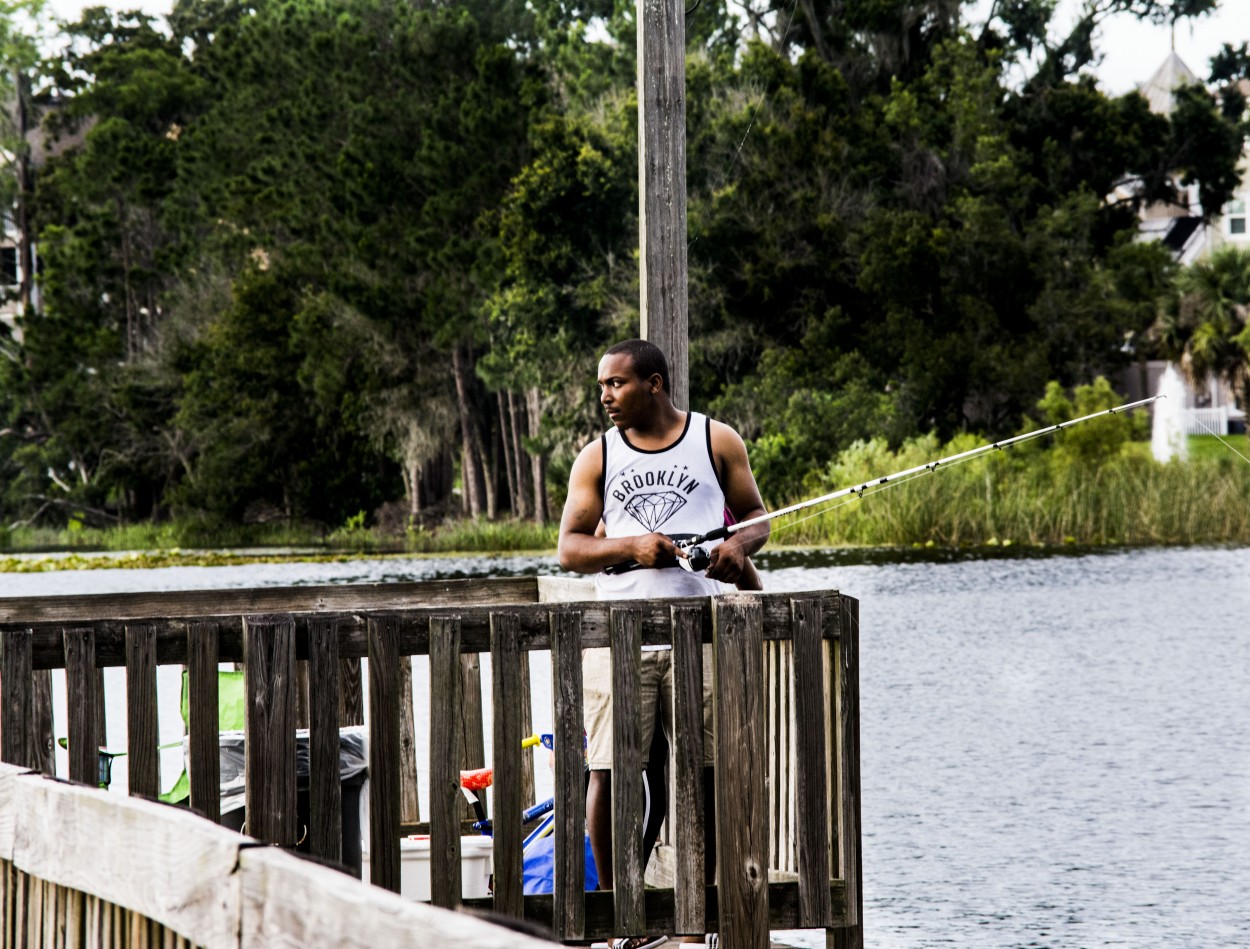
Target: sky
1132,50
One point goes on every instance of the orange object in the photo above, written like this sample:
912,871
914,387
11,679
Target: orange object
478,779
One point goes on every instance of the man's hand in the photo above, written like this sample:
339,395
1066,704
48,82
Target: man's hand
727,561
655,550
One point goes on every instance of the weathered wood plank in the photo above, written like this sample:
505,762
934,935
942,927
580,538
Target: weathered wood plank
742,841
16,690
505,661
163,862
351,691
413,634
203,721
627,759
688,756
409,803
569,870
295,903
384,782
330,598
325,792
269,681
141,715
446,722
80,690
810,767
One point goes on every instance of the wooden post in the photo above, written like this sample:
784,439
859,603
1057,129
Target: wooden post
688,755
204,720
141,715
627,801
325,793
80,690
269,729
446,697
15,696
569,900
741,837
662,185
384,781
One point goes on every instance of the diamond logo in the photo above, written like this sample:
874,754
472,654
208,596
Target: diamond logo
652,510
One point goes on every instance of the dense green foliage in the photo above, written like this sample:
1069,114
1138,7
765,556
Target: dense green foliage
351,262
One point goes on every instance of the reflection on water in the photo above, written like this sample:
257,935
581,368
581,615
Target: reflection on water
1054,747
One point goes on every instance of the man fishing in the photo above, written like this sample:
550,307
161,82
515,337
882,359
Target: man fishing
657,475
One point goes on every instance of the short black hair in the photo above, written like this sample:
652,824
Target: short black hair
648,359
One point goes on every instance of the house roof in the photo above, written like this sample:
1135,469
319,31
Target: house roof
1159,88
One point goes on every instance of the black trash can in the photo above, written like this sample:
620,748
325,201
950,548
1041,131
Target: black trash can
353,769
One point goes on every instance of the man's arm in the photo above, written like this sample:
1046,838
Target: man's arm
742,497
580,549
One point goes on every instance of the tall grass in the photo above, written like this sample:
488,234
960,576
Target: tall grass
1034,496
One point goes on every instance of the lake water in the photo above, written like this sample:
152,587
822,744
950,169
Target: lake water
1055,749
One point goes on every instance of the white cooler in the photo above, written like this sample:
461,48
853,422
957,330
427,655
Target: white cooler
414,867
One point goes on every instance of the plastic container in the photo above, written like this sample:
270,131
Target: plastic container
414,867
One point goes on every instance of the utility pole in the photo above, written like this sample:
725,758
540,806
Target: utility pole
25,256
662,185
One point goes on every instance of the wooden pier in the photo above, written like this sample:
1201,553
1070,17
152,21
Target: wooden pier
786,726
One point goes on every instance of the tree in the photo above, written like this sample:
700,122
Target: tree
1209,321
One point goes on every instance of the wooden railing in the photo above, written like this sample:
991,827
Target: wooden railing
80,867
786,713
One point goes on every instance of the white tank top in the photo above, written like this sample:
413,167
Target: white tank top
674,491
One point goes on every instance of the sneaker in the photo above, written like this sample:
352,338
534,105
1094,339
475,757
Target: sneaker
638,942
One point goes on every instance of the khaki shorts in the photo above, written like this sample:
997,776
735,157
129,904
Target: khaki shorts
657,692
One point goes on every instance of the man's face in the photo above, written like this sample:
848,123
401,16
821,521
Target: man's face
626,398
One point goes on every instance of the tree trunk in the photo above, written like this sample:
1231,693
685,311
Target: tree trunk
505,436
524,499
538,461
470,477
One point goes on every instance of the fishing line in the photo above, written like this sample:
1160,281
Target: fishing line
1210,431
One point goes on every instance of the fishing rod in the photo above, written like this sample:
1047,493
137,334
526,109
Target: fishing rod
697,557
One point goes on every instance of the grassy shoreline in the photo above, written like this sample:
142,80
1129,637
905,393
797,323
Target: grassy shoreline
1039,499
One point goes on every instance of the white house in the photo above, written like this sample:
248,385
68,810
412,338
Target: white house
1180,227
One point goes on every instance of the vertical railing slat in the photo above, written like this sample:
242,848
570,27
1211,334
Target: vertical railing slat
688,758
569,909
627,759
269,729
384,781
43,747
741,838
80,691
203,720
16,691
141,714
846,717
815,908
446,722
505,662
473,750
409,800
351,693
325,792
